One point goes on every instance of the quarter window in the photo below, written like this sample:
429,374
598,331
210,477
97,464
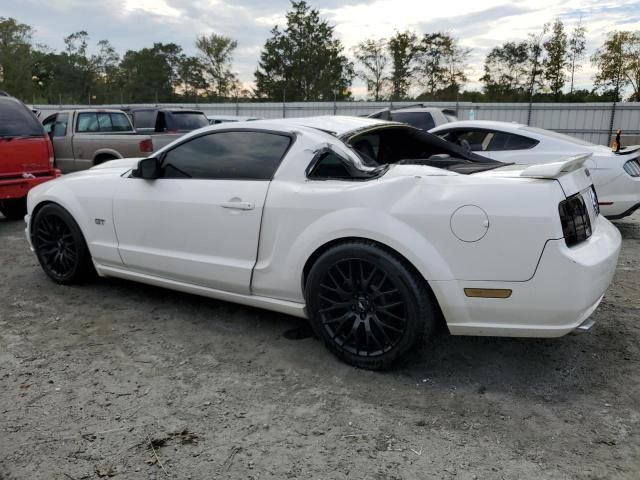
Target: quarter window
227,155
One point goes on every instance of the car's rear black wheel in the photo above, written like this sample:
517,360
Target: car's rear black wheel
367,304
60,246
14,209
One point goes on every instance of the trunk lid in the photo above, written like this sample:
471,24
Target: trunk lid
570,172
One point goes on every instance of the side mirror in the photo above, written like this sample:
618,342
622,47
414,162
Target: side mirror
148,168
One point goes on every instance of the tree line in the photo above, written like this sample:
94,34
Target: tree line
305,61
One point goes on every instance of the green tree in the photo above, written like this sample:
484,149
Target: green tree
305,61
441,64
192,75
506,72
535,44
16,58
373,59
403,47
216,52
106,67
577,46
618,64
152,74
555,62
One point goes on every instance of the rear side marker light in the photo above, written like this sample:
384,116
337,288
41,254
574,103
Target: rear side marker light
487,292
146,146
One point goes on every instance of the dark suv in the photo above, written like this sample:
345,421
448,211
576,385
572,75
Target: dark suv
417,116
166,120
26,156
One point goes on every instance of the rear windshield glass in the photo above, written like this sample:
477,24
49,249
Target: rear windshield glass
144,119
17,121
187,121
422,120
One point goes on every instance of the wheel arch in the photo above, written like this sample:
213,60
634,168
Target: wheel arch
105,154
317,253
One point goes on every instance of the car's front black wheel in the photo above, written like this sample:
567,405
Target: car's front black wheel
60,246
14,209
367,304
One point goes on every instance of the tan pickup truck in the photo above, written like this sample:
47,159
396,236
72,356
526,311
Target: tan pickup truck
84,138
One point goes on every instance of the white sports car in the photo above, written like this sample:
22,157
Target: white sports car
616,176
375,231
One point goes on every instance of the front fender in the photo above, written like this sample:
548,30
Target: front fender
89,201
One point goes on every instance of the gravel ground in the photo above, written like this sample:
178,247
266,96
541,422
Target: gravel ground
117,379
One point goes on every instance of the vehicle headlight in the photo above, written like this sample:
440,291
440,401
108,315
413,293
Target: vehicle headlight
632,167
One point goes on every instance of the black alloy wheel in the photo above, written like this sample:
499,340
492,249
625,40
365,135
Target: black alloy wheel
367,305
60,246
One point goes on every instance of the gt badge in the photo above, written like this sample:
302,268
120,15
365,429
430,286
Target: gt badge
99,221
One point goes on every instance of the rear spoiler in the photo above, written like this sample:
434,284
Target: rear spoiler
556,169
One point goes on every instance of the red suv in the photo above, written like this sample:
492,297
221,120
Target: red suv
26,156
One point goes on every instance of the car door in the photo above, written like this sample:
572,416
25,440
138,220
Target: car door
199,222
57,126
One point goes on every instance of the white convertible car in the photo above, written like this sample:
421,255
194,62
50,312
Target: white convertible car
616,176
375,231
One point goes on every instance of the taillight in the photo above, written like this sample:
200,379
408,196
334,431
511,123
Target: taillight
632,167
576,226
146,146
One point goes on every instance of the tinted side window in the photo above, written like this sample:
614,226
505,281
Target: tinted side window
478,139
227,155
422,120
16,120
329,166
507,141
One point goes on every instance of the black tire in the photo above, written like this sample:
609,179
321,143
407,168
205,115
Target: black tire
60,246
14,209
367,304
103,158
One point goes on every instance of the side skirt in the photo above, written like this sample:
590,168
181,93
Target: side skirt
274,304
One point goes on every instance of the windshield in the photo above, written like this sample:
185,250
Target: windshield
559,136
18,121
188,121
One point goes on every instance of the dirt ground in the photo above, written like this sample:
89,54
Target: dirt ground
117,379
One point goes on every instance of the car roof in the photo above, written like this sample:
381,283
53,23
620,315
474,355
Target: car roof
338,125
486,124
171,110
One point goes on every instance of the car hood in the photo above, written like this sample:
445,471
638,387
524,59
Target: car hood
123,163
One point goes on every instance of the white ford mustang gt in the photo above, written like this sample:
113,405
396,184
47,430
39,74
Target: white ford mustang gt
374,230
616,176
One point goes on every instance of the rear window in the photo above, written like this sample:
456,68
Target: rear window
187,121
144,119
422,120
17,121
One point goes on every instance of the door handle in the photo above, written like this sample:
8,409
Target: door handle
238,205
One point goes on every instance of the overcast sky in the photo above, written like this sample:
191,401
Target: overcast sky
480,25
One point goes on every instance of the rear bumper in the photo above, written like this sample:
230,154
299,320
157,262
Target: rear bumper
566,289
620,197
19,187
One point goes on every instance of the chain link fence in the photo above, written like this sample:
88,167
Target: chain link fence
594,122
